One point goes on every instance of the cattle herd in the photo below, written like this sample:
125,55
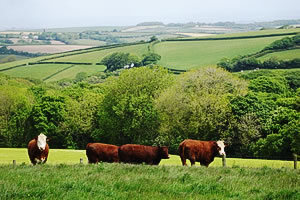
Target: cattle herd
193,150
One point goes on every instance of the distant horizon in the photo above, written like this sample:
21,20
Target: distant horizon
165,23
35,14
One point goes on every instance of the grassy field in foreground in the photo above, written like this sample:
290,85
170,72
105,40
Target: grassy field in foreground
64,156
123,181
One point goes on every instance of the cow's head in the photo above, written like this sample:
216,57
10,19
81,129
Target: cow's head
164,152
41,141
220,147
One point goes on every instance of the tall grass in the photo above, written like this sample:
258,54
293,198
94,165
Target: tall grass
123,181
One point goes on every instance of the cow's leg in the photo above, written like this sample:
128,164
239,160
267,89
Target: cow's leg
33,161
192,160
183,160
45,160
93,159
204,164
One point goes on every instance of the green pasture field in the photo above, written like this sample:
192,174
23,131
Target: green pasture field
19,62
88,42
17,57
40,71
65,156
73,71
125,181
194,54
97,56
282,55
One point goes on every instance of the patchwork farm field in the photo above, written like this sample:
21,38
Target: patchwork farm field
97,56
41,71
181,55
71,72
67,180
194,54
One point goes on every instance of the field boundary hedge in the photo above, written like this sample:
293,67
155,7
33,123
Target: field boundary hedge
176,71
64,69
72,63
13,67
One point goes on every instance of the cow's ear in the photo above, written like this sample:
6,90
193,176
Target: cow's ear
48,139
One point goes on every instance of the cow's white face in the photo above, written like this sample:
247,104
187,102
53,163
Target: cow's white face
221,146
42,141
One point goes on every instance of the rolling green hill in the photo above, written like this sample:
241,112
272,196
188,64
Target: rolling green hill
193,54
180,55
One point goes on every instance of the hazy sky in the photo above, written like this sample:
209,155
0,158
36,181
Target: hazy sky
74,13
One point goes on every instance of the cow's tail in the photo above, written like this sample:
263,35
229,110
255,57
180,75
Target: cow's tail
181,149
88,152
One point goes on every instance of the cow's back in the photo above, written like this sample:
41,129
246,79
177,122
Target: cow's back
97,152
197,150
133,153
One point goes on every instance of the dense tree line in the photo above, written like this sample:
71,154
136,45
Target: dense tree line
251,63
5,42
5,50
256,112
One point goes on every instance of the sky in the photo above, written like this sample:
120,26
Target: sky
24,14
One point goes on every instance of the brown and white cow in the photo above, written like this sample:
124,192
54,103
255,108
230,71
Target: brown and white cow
200,151
97,152
38,149
137,154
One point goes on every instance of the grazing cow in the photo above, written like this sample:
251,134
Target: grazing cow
38,149
134,153
97,152
200,151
